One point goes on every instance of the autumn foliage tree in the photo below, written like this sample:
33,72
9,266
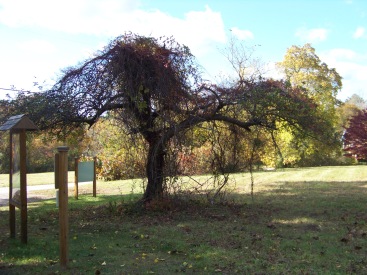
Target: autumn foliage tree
355,136
349,108
154,89
303,68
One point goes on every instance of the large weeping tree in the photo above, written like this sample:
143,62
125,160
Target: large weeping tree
153,87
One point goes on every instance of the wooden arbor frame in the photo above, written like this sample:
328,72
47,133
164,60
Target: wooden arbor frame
18,125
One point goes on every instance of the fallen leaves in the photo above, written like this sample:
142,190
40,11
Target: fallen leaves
157,260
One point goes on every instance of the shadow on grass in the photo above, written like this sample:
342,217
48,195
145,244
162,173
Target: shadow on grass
291,227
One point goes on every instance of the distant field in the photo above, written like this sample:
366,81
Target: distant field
262,178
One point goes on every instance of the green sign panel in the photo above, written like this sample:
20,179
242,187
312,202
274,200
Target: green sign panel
85,171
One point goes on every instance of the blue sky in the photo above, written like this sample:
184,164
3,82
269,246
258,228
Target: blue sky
41,37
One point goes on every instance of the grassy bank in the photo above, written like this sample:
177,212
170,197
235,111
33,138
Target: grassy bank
301,221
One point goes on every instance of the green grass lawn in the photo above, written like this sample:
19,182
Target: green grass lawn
300,221
36,179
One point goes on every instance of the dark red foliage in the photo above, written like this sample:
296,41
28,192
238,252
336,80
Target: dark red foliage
355,137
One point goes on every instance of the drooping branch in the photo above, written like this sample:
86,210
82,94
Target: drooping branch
153,86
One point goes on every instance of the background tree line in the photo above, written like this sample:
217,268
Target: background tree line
121,157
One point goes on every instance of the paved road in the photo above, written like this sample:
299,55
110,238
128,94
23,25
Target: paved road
4,191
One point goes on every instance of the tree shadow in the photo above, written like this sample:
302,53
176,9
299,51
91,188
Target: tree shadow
294,213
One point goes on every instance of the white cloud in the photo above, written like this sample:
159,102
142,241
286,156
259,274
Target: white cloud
340,54
353,69
312,35
242,34
359,33
272,71
111,18
202,31
67,15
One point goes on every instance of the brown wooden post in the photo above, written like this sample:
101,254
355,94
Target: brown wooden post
18,125
94,177
57,177
76,179
23,186
63,205
12,220
11,206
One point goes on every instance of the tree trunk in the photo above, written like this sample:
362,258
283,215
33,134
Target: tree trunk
278,153
154,171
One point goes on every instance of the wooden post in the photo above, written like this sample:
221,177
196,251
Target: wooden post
11,206
76,183
94,177
23,187
12,220
18,167
57,172
57,178
63,205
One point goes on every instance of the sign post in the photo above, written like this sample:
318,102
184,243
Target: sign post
62,182
85,172
94,177
76,185
23,188
18,125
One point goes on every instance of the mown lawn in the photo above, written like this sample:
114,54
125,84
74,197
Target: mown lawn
35,179
300,221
